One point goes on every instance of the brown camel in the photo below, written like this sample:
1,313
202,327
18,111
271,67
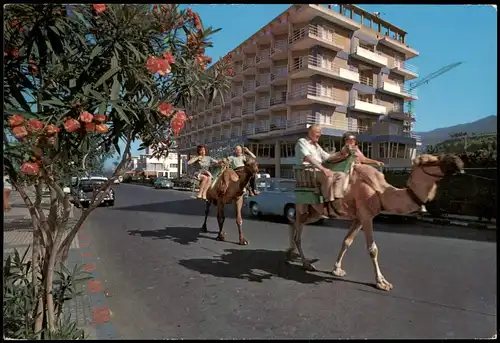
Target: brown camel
367,195
227,188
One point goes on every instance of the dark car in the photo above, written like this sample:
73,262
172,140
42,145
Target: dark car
163,182
86,188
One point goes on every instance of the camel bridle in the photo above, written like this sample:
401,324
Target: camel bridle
412,193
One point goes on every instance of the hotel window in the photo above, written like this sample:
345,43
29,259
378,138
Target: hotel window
383,150
366,148
401,150
265,150
287,150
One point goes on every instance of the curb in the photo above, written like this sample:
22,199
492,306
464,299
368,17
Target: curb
444,221
101,325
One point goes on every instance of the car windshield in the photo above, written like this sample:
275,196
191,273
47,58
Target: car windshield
161,178
89,184
287,186
270,185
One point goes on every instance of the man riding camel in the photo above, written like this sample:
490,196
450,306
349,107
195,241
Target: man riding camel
309,152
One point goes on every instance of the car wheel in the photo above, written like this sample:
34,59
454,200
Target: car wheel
290,213
111,203
254,209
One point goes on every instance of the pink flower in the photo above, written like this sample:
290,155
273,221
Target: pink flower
71,125
30,168
158,65
166,110
169,57
99,8
86,117
181,115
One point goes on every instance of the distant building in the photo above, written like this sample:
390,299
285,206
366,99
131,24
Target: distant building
171,167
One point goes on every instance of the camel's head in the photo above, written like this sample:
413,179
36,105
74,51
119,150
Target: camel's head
428,169
438,166
252,165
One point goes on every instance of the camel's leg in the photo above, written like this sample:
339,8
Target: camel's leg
349,238
220,219
381,282
238,204
299,227
207,210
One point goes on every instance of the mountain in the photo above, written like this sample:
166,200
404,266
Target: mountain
483,125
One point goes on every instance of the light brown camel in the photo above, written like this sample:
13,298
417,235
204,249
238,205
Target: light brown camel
227,188
367,195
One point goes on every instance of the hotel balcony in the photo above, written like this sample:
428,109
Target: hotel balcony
307,12
309,65
238,72
217,103
280,50
248,112
226,116
247,131
407,70
261,108
312,35
397,89
227,100
263,60
373,58
367,106
236,115
278,103
261,129
262,84
249,88
305,122
236,94
279,76
249,66
397,112
398,46
309,94
278,125
216,120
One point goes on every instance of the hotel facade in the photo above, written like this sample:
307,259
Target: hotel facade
334,65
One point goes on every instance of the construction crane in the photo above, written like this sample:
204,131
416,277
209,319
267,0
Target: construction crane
426,80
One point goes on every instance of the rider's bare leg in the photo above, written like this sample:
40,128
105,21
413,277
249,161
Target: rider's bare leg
206,186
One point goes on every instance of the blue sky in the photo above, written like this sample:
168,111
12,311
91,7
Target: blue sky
442,34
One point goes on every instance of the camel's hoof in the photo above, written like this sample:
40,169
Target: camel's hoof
309,267
384,285
339,272
221,237
291,255
204,229
243,241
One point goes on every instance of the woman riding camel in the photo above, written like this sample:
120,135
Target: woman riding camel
201,164
349,139
237,161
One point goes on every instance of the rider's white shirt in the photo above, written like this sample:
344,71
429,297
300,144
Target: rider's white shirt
305,147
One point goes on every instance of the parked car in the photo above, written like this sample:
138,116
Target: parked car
85,188
163,182
276,197
185,182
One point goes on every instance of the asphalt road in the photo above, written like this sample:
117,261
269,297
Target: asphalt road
166,280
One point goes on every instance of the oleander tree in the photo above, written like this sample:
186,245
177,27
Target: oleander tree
78,77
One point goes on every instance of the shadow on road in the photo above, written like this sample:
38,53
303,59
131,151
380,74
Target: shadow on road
181,235
258,265
394,224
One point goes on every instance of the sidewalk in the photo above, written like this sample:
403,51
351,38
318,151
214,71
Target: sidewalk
18,235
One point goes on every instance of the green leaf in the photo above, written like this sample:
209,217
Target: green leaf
114,62
97,50
103,107
97,95
121,113
72,83
107,75
115,89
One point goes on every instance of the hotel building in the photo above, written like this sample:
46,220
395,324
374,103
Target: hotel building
338,66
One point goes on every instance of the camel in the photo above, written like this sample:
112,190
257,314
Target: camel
367,195
226,188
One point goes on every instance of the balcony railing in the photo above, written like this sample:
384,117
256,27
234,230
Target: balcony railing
369,54
366,81
236,114
311,119
249,86
249,63
236,93
318,32
264,80
237,68
262,129
317,91
262,105
405,66
278,126
263,57
226,116
248,111
279,74
248,131
278,101
279,46
216,120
